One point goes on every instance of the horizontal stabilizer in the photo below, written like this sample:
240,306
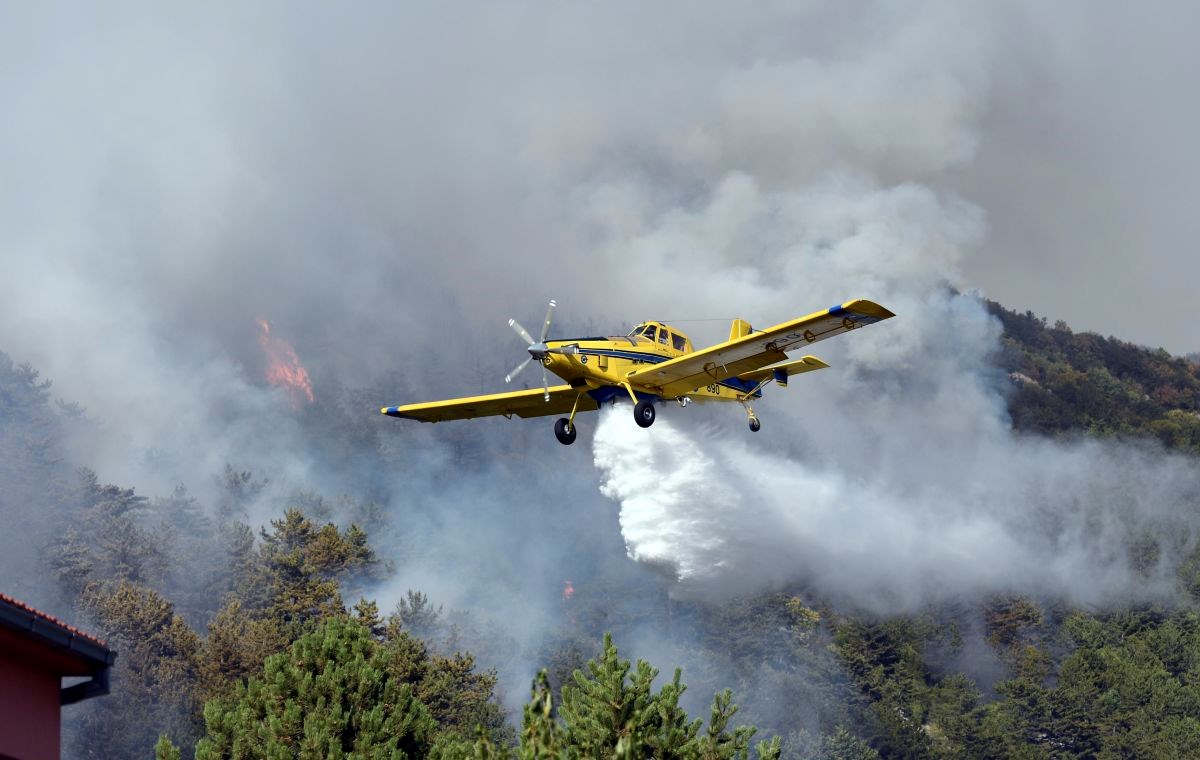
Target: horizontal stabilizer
783,370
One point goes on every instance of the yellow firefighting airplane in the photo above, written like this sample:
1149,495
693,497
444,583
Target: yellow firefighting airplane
654,362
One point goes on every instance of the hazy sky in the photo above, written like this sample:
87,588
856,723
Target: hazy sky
1089,172
332,167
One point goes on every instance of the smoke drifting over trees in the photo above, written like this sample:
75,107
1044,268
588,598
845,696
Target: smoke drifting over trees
1014,515
386,185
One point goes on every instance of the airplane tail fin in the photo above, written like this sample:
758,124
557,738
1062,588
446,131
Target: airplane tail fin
739,329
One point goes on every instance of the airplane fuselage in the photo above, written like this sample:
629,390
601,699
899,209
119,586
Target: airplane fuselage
602,364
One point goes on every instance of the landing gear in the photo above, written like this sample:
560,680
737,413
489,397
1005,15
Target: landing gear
564,428
755,425
643,414
565,432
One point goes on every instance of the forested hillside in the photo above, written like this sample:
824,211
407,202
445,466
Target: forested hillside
1069,383
240,640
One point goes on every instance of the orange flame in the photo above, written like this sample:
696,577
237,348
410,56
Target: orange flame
568,591
284,369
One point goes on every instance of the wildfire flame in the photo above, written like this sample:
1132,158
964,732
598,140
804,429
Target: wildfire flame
568,591
284,369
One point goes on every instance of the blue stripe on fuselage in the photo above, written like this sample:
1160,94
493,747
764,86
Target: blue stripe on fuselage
634,355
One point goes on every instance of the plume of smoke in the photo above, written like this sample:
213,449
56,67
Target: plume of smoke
1025,516
894,479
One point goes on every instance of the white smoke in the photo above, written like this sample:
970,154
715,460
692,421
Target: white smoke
914,516
894,477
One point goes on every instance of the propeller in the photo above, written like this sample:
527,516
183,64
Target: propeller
537,348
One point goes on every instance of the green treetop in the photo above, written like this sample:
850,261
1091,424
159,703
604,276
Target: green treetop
329,696
609,712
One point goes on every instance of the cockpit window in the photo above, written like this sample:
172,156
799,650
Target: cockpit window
664,337
649,332
680,342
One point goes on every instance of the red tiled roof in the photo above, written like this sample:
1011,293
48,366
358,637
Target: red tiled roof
50,619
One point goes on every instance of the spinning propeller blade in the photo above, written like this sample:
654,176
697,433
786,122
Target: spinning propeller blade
525,336
517,370
546,324
537,349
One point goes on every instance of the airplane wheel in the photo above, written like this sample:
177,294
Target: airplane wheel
565,432
755,425
643,414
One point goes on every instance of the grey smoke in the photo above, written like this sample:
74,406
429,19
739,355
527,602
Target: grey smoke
389,183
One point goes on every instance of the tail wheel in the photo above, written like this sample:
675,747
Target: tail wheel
564,431
643,414
755,425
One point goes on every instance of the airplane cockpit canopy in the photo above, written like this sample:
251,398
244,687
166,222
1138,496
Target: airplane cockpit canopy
657,333
647,331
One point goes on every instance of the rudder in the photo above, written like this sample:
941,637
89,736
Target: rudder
739,329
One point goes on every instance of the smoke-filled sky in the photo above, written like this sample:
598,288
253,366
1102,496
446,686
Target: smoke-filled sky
387,183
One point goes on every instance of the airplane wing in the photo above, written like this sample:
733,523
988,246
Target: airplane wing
756,350
530,403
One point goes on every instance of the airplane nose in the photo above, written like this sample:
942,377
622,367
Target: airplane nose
539,351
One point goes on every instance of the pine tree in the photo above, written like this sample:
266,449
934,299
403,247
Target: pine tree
459,698
117,546
843,745
605,710
280,590
294,578
366,612
416,614
165,749
188,537
610,712
542,736
237,645
329,696
154,677
238,490
35,479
